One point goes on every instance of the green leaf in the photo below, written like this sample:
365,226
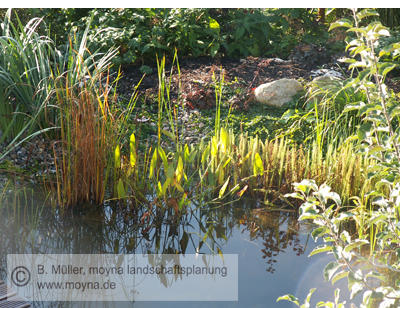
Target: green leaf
375,275
308,207
165,186
153,164
214,49
182,201
330,269
306,186
169,134
341,23
170,171
242,191
184,242
356,288
320,249
308,298
186,153
366,13
356,244
345,236
318,232
385,68
214,147
204,155
363,130
359,30
340,275
366,109
163,157
179,187
294,195
121,189
353,107
290,298
324,194
353,278
159,189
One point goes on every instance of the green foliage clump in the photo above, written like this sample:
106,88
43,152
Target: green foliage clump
370,251
140,34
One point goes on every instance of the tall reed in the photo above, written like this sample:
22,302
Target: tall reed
82,164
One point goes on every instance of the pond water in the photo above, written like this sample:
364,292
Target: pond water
273,246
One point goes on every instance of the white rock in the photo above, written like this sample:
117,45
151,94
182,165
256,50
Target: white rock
278,60
278,92
322,85
326,81
326,72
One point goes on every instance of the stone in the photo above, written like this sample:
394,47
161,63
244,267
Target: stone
325,82
322,85
277,93
326,72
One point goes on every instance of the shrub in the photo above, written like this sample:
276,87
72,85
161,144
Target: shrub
140,34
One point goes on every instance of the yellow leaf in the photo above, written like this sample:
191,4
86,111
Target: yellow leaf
214,24
179,187
132,146
224,137
258,166
222,191
214,147
117,158
179,170
221,176
241,192
153,164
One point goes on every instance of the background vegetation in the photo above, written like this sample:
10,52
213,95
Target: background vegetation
140,34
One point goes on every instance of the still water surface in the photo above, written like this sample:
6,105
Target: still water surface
272,246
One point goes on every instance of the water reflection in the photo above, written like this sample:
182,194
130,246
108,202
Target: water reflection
32,226
279,232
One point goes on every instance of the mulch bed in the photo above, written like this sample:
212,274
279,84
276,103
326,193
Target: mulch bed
196,77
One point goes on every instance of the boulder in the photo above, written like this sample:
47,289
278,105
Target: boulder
277,93
323,85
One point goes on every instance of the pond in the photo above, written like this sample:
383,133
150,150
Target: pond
272,246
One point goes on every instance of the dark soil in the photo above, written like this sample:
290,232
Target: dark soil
196,77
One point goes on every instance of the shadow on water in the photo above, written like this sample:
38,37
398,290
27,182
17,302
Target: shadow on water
272,245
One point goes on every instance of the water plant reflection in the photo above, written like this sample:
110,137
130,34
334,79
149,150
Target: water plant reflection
39,228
